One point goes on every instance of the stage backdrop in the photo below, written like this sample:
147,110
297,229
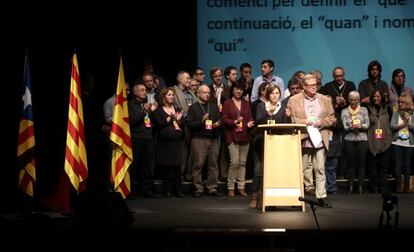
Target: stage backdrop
307,35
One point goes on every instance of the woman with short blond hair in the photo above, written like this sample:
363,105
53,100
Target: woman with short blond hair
403,141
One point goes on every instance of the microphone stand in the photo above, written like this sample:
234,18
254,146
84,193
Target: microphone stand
312,206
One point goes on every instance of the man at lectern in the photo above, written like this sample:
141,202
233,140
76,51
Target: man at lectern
316,111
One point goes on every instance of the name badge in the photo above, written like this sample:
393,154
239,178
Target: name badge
208,124
239,126
356,123
378,133
147,121
404,134
271,121
395,108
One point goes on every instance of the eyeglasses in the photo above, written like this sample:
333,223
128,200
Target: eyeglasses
312,85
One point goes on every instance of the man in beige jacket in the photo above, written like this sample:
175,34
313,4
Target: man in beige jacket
316,111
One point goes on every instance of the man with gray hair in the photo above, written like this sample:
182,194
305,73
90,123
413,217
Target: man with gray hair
204,120
316,111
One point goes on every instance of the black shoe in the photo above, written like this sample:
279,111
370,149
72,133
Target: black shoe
323,202
188,178
310,192
215,194
180,195
197,194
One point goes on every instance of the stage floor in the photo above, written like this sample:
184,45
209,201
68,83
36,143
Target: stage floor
349,212
227,224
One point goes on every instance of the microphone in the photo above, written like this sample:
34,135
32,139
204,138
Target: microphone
310,201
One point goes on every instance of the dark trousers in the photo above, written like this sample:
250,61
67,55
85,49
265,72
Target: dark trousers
378,169
330,171
357,153
402,161
142,167
171,175
205,150
258,143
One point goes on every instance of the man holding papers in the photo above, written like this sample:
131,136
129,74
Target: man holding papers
316,111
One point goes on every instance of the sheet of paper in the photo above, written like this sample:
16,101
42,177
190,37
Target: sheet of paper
315,135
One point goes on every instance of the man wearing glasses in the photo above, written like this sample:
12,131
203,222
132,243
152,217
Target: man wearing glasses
316,111
338,89
199,75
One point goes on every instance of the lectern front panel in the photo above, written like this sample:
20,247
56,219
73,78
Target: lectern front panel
282,173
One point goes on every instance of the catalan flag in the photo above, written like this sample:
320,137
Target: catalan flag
121,137
26,144
76,165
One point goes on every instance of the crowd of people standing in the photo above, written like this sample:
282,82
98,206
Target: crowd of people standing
203,133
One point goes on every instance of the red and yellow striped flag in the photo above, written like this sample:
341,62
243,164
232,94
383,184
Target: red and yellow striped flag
121,137
76,165
26,144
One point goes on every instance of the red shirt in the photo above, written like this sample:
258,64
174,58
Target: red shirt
232,113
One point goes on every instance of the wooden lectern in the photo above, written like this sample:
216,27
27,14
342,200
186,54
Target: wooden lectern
282,165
